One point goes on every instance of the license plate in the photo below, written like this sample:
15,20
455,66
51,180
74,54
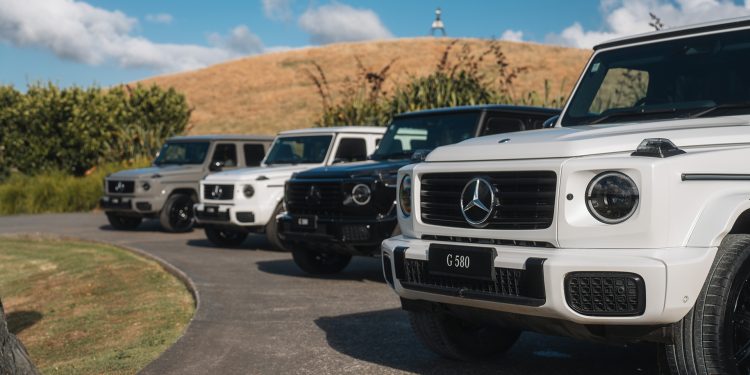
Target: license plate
115,200
462,261
304,222
212,209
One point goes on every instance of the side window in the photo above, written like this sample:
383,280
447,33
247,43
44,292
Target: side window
226,153
496,125
254,153
351,149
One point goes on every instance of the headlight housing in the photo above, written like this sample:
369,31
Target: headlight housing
404,195
612,197
361,194
248,191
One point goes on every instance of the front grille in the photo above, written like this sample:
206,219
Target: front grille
507,282
488,241
605,293
526,199
314,198
218,192
121,187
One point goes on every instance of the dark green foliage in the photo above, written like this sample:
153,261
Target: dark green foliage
74,129
462,77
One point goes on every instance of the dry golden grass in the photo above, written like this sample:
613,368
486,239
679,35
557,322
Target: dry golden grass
269,93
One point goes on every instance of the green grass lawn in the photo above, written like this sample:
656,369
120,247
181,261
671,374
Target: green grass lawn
83,308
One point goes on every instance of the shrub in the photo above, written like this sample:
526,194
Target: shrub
463,77
71,130
57,191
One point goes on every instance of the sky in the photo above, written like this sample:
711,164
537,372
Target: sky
106,42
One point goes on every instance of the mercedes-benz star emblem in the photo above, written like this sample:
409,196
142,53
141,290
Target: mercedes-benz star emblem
120,187
313,197
478,202
217,192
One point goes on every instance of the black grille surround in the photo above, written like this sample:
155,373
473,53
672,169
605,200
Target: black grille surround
127,187
517,286
526,199
605,293
324,198
226,192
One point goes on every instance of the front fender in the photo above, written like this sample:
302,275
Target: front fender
717,218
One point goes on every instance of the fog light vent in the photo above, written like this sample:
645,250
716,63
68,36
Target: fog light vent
605,293
247,217
355,233
387,270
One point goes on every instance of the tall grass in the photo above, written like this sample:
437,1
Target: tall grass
57,191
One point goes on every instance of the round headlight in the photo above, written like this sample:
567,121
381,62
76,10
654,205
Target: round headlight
612,197
404,195
361,194
146,186
248,191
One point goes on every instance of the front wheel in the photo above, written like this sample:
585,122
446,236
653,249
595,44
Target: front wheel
177,214
714,337
272,229
225,237
320,263
121,222
458,339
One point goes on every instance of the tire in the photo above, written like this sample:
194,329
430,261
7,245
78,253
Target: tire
177,214
707,340
320,263
458,339
225,237
121,222
272,230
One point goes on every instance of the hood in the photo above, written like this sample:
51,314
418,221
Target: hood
165,171
564,142
252,174
356,169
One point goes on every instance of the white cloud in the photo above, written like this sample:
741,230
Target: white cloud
164,18
512,35
342,23
628,17
75,30
278,9
240,40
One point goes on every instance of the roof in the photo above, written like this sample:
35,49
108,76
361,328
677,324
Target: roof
338,129
484,107
221,137
725,24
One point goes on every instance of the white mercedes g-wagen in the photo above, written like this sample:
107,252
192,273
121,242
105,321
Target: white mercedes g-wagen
235,203
629,220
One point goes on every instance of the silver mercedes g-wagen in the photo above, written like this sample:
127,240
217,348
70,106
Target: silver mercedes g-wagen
169,188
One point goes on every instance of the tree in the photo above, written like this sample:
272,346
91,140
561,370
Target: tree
14,360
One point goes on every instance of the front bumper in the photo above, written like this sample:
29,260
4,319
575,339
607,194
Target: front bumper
344,235
131,204
225,215
673,278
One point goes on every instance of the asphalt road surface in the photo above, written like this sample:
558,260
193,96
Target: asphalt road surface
259,314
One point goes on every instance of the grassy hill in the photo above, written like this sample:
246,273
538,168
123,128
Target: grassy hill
272,92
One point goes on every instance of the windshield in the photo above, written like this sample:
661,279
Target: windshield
408,134
182,153
304,149
694,77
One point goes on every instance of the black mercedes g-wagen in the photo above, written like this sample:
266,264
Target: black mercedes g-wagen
335,212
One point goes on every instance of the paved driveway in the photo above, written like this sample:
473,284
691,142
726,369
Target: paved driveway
260,314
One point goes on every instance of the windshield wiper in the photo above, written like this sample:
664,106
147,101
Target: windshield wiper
635,113
737,105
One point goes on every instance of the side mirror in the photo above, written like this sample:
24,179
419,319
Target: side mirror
550,122
216,166
419,156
